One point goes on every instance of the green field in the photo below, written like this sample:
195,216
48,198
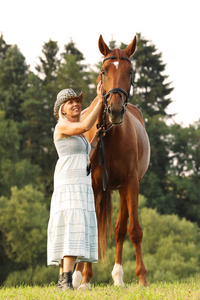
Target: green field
174,291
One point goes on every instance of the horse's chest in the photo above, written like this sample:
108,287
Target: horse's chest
119,164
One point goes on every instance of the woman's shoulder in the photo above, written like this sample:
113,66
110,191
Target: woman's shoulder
58,135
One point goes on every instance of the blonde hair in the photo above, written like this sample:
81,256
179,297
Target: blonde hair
60,115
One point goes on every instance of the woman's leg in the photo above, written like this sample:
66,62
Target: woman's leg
68,263
61,267
68,266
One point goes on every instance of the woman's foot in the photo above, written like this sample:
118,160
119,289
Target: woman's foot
67,281
59,284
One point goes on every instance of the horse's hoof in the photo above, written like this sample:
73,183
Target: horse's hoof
119,284
143,283
84,286
77,278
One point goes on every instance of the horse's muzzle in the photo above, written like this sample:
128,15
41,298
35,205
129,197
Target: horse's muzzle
116,116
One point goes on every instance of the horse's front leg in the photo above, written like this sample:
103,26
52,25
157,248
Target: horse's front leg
120,234
134,229
77,275
83,274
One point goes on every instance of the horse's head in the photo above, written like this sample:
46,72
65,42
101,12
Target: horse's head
116,76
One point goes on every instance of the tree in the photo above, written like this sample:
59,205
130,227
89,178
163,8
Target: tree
73,73
70,49
183,180
151,89
3,47
49,62
185,150
42,95
13,82
37,130
23,221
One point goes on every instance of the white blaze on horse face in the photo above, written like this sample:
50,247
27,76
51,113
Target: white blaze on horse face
116,63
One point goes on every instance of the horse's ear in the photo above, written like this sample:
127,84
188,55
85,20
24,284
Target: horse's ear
103,47
130,49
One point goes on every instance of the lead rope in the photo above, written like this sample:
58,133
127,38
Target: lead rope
101,149
101,159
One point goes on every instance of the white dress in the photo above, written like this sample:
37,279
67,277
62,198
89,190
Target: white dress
72,227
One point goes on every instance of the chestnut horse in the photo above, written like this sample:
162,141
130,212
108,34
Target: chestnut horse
127,154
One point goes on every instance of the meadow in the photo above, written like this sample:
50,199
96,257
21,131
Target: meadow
189,289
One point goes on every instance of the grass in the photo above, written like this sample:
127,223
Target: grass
189,289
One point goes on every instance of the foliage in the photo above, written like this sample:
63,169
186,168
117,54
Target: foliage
23,221
3,47
13,81
9,137
151,90
39,275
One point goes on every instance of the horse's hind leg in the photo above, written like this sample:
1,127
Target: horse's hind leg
120,234
134,229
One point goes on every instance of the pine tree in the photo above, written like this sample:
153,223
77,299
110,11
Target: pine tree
152,92
73,73
3,47
13,82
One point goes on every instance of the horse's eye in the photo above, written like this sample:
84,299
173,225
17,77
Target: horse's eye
102,72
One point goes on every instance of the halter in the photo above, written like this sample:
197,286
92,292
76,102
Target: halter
116,90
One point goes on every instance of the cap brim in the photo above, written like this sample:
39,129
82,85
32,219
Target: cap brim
80,97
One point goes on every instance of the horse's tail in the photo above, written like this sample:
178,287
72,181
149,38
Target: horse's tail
103,212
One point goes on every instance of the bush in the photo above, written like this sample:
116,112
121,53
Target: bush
39,276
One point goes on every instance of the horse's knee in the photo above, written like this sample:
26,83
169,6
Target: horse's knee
135,233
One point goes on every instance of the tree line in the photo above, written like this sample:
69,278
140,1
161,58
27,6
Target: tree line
28,156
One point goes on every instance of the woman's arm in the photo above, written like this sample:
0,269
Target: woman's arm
84,111
66,128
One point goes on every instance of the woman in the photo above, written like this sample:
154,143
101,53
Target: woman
72,228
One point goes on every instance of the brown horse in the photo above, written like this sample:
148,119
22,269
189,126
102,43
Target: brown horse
127,154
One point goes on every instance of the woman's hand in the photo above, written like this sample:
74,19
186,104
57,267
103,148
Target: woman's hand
96,138
99,130
99,90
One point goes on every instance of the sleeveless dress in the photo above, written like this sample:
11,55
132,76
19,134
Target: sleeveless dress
72,227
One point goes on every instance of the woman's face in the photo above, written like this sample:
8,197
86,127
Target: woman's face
72,108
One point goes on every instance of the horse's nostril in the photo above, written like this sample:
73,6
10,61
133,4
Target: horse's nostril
123,109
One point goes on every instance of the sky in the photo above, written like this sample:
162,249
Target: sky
173,26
